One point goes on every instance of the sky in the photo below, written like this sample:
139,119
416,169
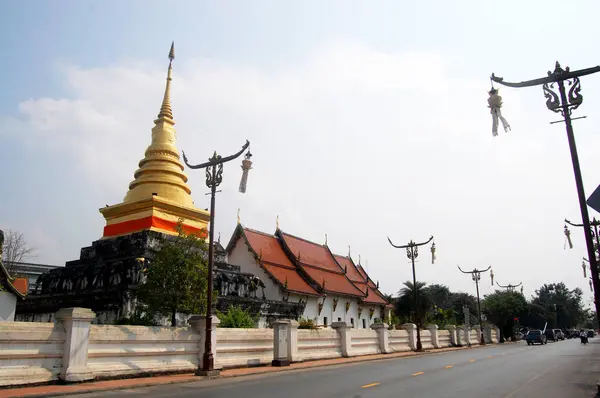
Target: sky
366,120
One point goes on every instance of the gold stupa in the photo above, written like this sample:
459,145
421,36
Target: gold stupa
159,196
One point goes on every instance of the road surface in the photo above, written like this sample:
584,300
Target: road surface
556,370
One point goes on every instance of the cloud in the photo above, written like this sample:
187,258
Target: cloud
352,142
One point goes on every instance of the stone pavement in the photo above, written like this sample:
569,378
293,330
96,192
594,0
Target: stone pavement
106,385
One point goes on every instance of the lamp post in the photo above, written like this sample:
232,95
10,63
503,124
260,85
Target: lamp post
476,276
412,252
564,104
214,177
509,287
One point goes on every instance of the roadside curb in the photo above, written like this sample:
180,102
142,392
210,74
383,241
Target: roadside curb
105,385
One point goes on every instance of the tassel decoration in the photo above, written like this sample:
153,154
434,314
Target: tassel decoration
591,286
492,276
568,235
495,103
433,253
246,166
583,266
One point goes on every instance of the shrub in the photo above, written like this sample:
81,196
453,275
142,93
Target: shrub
236,317
306,324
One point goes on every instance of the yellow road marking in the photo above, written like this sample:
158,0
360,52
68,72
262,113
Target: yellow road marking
370,385
472,360
449,366
418,373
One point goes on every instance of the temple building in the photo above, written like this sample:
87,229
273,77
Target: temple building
332,287
273,276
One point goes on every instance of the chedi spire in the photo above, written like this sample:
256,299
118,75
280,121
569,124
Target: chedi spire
160,173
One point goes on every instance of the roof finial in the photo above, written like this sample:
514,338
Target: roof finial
165,109
277,222
238,217
349,252
325,239
359,259
219,238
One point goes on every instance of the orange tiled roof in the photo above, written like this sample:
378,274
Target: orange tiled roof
361,280
275,262
319,264
22,285
18,286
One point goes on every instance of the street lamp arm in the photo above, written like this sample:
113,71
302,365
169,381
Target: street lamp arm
551,78
216,160
411,244
464,272
424,243
396,246
573,224
504,287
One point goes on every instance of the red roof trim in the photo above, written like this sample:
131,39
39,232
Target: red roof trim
300,264
242,234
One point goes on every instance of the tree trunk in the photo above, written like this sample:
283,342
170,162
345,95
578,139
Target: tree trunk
174,317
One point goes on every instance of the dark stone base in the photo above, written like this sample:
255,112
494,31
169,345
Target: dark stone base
208,373
280,362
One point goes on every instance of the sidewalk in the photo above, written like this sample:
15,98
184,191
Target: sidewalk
107,385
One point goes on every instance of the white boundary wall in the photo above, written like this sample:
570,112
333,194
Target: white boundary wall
72,350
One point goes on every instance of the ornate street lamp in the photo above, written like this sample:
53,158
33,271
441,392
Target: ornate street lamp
509,287
476,276
564,104
214,177
412,252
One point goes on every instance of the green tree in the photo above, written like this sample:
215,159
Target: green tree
176,279
562,307
440,295
405,304
236,317
501,307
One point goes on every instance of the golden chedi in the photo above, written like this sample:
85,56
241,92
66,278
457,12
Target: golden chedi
159,196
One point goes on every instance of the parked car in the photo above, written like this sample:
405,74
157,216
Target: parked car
559,334
591,333
535,336
550,335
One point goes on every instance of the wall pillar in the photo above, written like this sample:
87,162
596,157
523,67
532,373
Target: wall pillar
453,337
487,334
463,336
76,322
435,338
198,323
411,328
343,330
383,336
285,340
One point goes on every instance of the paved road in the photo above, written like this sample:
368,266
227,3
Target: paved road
557,370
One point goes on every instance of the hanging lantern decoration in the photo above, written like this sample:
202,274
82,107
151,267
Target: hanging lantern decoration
495,103
583,266
246,166
492,276
521,289
568,237
433,253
